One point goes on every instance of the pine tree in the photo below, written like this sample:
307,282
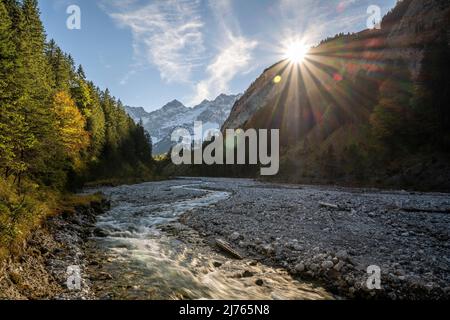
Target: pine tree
7,66
392,117
96,125
35,63
61,68
82,95
80,72
329,163
15,135
34,104
432,95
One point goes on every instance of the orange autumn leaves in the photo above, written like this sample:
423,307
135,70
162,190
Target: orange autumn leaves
70,125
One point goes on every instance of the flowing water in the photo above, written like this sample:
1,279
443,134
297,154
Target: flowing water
145,258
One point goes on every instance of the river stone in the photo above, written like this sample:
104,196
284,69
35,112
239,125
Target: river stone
342,255
235,236
313,267
104,276
247,274
268,249
319,257
339,266
300,267
94,263
327,264
100,233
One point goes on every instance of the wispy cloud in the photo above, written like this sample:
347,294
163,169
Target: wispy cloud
234,55
320,18
169,35
344,4
166,34
126,78
232,60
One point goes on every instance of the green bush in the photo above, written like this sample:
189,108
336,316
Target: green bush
21,211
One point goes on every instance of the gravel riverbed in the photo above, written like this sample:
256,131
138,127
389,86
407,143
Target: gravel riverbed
286,225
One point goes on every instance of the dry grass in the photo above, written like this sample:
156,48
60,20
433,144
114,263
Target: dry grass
23,210
114,182
69,203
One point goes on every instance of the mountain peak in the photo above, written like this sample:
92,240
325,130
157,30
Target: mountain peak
174,104
223,97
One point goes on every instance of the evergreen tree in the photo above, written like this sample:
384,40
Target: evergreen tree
7,61
431,100
14,132
80,72
61,68
329,163
96,124
34,104
392,117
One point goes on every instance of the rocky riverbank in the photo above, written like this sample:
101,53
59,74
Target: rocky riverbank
293,227
41,270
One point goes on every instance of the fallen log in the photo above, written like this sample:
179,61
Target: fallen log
329,205
412,209
333,206
225,246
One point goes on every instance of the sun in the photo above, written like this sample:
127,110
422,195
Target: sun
296,52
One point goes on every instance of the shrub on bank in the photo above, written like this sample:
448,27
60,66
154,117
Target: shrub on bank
21,211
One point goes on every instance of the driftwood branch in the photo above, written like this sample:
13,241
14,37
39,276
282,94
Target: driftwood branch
332,206
329,205
225,246
412,209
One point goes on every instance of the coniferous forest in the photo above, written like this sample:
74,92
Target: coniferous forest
57,129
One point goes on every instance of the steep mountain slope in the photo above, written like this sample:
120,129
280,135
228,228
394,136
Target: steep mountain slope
405,31
326,107
161,123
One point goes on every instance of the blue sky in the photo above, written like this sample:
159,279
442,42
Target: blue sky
149,52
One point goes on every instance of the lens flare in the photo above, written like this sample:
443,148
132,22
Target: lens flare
296,52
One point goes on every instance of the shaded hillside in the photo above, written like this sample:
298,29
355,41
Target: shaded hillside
363,108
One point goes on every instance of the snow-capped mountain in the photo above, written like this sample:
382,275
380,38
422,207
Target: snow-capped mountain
162,122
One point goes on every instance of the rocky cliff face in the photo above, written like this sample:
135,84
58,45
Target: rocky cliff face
161,123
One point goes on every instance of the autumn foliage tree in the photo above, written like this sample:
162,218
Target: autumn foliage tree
70,126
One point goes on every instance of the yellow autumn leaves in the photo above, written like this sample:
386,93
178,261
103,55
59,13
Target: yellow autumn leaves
70,124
